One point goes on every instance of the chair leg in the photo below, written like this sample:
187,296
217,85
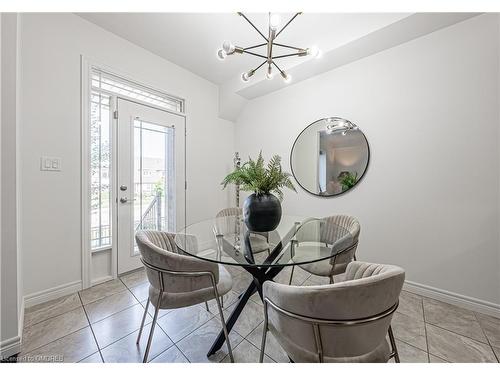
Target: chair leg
222,301
142,322
206,306
393,345
331,279
291,276
153,324
264,335
224,327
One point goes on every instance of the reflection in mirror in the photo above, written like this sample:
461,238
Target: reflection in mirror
330,156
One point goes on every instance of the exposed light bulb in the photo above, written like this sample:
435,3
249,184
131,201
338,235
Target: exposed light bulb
314,51
228,47
274,21
286,77
245,77
221,54
269,73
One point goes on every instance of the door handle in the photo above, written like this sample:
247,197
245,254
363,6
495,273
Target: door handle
125,200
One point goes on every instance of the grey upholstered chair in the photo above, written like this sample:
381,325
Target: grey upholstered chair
343,322
328,236
259,240
178,280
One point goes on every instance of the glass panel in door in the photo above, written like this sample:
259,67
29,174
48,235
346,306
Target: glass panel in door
153,176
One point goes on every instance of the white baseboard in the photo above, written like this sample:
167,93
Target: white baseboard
456,299
10,347
101,280
52,293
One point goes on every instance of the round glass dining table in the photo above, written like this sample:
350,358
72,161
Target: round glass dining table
296,240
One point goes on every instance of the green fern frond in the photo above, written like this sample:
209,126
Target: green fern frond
254,176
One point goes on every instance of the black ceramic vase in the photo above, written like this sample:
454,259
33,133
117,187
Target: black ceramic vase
262,213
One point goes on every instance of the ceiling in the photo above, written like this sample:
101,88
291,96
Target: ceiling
191,40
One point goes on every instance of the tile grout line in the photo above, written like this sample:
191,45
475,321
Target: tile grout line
427,339
70,333
487,338
267,344
265,355
180,351
159,326
458,334
91,329
56,315
62,337
444,329
425,330
127,308
174,343
115,313
232,349
186,335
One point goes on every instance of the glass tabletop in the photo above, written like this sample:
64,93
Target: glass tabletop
296,240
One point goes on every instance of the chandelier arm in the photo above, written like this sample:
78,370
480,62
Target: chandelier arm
285,46
257,68
256,46
250,22
288,23
255,54
289,55
277,67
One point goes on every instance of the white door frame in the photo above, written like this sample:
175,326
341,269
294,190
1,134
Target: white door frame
86,65
128,112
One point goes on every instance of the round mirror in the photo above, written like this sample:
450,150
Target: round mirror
329,157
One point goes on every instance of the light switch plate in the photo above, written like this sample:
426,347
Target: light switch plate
48,163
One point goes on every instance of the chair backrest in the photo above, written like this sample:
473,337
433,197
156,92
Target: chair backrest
230,211
370,290
335,231
226,220
159,250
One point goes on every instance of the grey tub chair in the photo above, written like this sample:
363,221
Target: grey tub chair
178,280
336,265
343,322
259,240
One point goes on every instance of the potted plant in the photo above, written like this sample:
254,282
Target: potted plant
262,209
347,179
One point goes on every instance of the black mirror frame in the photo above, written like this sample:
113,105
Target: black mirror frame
343,192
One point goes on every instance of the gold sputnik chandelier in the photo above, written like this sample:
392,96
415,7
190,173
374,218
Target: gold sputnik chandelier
269,58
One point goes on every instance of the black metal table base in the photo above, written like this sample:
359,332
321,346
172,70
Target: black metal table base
260,275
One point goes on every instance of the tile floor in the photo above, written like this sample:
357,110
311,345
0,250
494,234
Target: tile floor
101,324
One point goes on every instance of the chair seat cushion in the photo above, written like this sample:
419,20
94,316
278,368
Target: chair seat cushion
299,355
379,355
321,268
259,243
177,300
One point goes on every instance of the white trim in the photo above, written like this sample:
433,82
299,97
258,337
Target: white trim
113,106
20,326
102,279
471,303
126,77
52,293
84,178
9,347
85,79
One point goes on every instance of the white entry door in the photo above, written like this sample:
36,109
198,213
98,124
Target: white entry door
151,175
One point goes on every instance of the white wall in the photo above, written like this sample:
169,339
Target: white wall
11,309
429,108
50,61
